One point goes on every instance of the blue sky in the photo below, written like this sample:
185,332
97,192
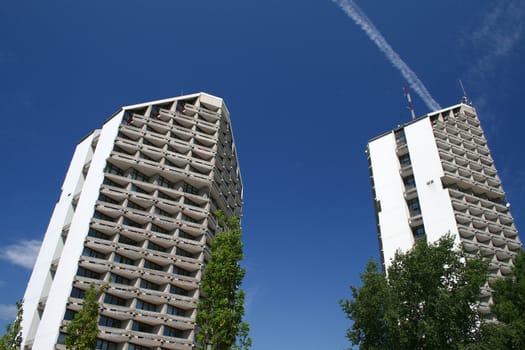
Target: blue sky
306,89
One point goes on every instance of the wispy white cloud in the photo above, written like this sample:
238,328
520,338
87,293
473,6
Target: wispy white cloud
500,30
360,18
489,41
23,253
7,312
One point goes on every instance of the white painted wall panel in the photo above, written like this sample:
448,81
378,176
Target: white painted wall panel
393,217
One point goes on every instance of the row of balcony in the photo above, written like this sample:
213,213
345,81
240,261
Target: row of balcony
452,178
454,151
477,211
468,173
488,227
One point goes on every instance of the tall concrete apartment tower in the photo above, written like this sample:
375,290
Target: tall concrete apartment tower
435,175
136,212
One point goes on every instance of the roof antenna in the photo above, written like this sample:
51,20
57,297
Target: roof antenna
465,98
410,104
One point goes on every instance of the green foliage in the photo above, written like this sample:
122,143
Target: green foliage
82,331
426,302
220,312
509,309
12,338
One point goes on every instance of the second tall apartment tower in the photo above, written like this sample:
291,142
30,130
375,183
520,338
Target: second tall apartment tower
136,212
435,175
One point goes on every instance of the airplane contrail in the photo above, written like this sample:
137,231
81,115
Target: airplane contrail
359,17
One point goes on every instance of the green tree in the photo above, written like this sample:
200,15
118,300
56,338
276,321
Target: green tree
220,311
427,301
12,338
82,331
509,309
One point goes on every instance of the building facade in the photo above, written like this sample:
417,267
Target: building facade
435,175
136,212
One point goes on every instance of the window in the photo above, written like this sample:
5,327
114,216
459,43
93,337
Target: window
185,253
413,207
61,338
418,231
88,273
151,265
173,310
106,199
100,216
131,223
123,260
105,345
190,202
183,234
137,347
181,271
119,279
129,241
164,183
173,332
162,212
93,253
149,285
77,293
189,188
400,137
178,290
111,299
156,228
111,169
142,327
156,247
404,160
112,183
110,322
69,314
409,182
146,306
187,218
137,175
164,195
134,206
137,189
96,234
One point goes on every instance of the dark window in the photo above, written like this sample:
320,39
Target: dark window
156,228
185,253
173,332
419,231
156,247
112,183
119,279
151,265
149,285
413,206
61,338
111,169
123,260
135,188
111,299
96,234
137,175
404,160
131,223
146,306
88,273
137,347
106,199
173,310
93,253
189,188
400,137
142,327
164,183
183,234
69,314
135,206
129,241
105,345
164,195
181,271
409,182
178,290
99,215
77,293
187,218
110,322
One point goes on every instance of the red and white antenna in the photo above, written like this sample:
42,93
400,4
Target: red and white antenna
465,98
410,104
